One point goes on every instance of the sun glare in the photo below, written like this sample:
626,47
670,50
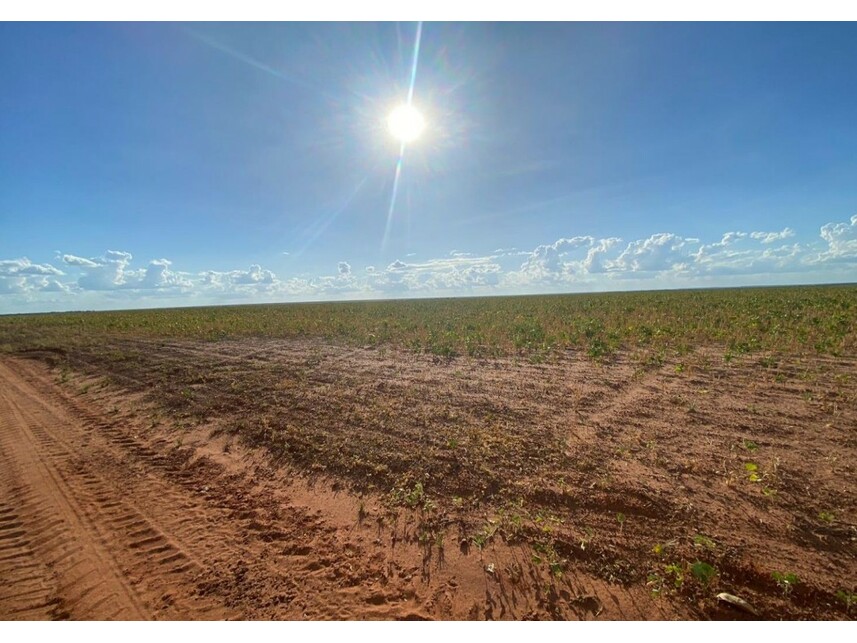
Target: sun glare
406,123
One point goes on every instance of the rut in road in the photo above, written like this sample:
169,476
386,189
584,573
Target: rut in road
85,531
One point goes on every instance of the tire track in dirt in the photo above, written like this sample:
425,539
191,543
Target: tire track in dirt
84,579
96,554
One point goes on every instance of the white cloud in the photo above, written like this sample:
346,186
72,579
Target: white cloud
256,279
256,275
107,273
660,252
567,264
771,237
22,276
596,257
549,262
24,266
841,240
79,261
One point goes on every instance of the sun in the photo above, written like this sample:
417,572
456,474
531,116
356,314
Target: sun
406,123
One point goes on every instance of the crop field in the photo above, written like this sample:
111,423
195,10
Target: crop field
643,455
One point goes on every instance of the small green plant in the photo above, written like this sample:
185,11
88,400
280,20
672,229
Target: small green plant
752,471
703,541
769,492
620,518
659,549
849,599
547,553
415,496
481,538
677,572
786,581
703,572
826,516
749,445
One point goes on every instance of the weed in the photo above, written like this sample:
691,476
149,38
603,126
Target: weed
656,582
703,572
749,445
547,553
849,599
676,571
752,471
484,536
703,541
786,581
659,549
826,516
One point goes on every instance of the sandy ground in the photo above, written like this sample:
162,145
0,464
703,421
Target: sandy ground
109,510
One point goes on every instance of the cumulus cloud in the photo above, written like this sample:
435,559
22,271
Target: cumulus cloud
596,257
549,261
21,276
256,275
72,260
660,252
344,268
107,273
24,266
771,237
841,240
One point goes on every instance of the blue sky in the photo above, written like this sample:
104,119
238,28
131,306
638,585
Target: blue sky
179,164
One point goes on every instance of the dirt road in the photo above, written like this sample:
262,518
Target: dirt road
89,526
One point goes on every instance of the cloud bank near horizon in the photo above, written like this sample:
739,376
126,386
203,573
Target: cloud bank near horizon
582,263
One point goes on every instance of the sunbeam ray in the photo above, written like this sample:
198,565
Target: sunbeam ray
401,160
315,230
237,55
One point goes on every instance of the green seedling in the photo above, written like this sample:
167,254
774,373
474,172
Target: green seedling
849,599
703,572
704,541
826,516
677,572
785,581
749,445
752,471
